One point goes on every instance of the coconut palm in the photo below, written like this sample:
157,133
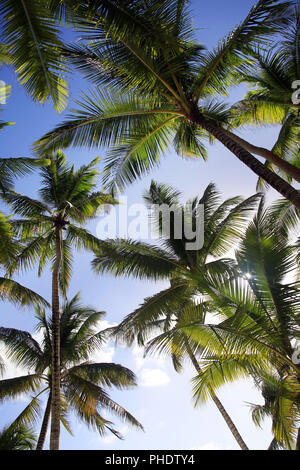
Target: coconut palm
260,323
48,229
161,87
83,381
271,78
17,438
223,225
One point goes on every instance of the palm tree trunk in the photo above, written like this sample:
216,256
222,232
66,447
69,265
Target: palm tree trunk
217,402
298,440
44,428
275,181
285,166
55,382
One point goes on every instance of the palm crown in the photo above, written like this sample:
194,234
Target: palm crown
162,314
167,83
259,310
224,224
67,201
83,381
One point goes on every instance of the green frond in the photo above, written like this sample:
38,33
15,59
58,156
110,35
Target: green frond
31,250
34,46
152,309
8,246
25,206
12,168
81,238
100,119
133,258
4,55
188,141
17,438
86,397
105,374
138,152
21,347
219,371
29,415
19,294
10,388
232,228
218,68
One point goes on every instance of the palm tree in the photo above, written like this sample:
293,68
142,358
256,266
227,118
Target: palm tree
83,381
260,311
17,438
223,224
269,101
48,229
161,87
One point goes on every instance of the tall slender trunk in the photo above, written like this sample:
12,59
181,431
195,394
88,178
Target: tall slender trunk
44,427
274,180
298,440
287,167
217,402
55,383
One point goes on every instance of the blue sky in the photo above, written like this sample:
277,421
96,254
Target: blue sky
162,401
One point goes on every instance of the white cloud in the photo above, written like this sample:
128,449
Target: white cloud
105,354
103,324
213,446
207,446
140,360
154,378
107,351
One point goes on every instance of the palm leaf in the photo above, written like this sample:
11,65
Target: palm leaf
33,42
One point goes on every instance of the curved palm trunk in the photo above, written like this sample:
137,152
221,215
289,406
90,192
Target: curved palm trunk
275,181
285,166
55,383
44,427
217,402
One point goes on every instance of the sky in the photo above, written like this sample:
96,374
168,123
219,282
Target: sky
162,401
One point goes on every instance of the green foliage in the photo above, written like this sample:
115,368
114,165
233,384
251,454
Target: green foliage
256,337
83,382
269,101
67,199
145,55
32,41
17,438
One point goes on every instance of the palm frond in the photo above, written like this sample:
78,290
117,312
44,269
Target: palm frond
33,43
17,293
